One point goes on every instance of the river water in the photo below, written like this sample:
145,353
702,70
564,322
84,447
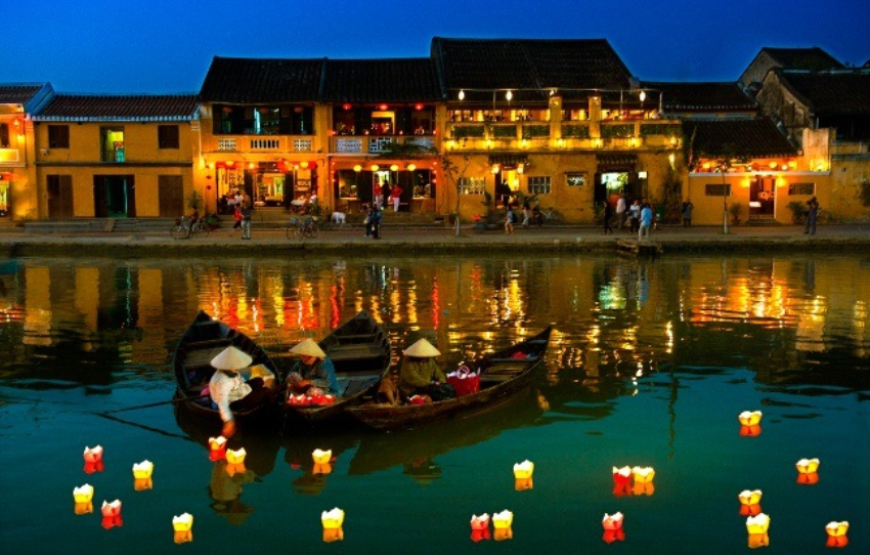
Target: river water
650,364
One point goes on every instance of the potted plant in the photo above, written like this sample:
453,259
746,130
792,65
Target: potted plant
797,211
736,210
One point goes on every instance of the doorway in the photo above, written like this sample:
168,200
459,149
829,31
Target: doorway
762,195
114,196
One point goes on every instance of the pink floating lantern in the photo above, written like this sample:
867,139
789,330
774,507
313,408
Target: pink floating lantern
480,527
112,514
621,481
837,534
93,459
612,525
217,448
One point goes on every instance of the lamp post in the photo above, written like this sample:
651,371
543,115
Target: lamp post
724,168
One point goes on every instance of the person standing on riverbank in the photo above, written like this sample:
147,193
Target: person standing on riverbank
646,217
608,213
687,213
620,211
247,216
812,216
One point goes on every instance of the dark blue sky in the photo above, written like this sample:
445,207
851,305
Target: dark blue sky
165,46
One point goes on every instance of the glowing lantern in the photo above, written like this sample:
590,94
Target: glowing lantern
523,475
236,457
183,527
93,459
757,527
332,522
111,514
808,471
322,468
643,480
750,502
612,525
621,481
217,448
375,167
321,457
750,423
143,469
502,523
82,496
394,168
84,508
837,534
143,484
480,527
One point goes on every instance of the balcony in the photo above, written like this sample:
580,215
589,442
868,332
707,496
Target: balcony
259,143
375,144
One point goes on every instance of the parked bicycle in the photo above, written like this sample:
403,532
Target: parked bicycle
183,228
302,228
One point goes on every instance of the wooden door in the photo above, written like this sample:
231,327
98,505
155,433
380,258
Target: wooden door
60,196
170,192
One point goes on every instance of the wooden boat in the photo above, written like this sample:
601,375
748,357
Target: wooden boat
203,340
503,374
360,351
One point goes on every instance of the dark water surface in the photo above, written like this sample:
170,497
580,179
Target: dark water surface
649,365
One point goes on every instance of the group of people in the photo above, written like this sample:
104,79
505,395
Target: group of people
389,195
639,216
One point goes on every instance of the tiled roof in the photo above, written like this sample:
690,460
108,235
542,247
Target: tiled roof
832,93
86,107
753,138
396,80
250,80
18,94
488,64
814,59
699,97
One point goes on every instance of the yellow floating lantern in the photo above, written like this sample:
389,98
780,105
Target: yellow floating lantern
621,481
757,527
233,469
807,471
332,525
612,525
502,523
111,514
182,525
750,502
837,534
643,474
143,469
502,534
322,468
236,457
217,448
523,475
83,494
321,457
480,527
750,418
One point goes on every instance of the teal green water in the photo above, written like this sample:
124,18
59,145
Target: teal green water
650,364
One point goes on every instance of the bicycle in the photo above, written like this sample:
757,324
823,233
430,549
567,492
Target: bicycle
183,228
302,228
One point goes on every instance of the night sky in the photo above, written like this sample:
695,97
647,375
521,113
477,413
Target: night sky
166,46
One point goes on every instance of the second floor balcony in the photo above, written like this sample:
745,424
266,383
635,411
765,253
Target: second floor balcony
260,143
376,144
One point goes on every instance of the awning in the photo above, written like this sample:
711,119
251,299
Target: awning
616,159
508,159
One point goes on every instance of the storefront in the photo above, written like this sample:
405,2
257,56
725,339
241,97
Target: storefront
359,185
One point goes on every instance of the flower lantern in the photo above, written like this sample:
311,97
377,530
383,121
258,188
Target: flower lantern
332,525
750,502
480,527
750,423
93,459
321,457
84,508
621,481
808,471
322,468
111,514
837,534
143,469
757,527
523,475
182,525
643,480
217,448
83,496
236,457
143,484
502,523
612,525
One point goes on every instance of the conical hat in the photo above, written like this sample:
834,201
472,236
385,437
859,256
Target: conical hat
308,347
422,349
232,358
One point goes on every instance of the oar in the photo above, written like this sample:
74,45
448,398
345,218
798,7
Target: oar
144,427
157,404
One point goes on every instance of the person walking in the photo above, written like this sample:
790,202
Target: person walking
527,211
812,216
247,215
510,218
396,197
687,213
608,213
634,216
646,217
620,211
376,223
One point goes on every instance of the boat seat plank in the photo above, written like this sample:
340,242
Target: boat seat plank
202,357
505,367
356,337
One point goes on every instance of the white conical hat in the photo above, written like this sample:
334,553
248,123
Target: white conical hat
422,349
308,347
232,358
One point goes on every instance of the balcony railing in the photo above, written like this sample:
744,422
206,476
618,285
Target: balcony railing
375,144
245,143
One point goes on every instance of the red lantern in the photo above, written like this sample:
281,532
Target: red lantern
346,106
382,107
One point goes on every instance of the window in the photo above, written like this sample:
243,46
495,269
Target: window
714,190
282,119
4,135
575,179
112,147
167,136
472,185
539,185
58,136
808,189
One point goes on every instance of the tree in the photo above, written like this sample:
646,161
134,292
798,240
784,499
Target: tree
454,174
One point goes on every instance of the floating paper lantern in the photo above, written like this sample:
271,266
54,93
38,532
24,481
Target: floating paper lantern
217,448
143,484
93,459
83,494
808,471
621,481
182,525
236,457
502,523
111,514
750,418
321,457
480,527
643,480
523,475
143,469
612,525
84,508
750,502
322,468
332,525
837,534
750,431
235,468
502,534
757,527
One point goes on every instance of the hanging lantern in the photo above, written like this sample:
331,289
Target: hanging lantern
375,167
461,95
612,525
182,525
357,168
837,534
411,167
394,168
750,502
643,480
509,96
750,423
217,448
808,471
332,525
418,107
383,107
502,523
621,481
757,527
346,106
523,475
480,527
111,514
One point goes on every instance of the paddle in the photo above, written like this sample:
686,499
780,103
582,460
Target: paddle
157,404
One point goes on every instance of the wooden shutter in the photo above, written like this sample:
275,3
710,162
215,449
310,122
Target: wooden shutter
60,199
170,192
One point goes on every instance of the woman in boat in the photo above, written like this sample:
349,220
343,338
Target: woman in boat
313,371
229,391
420,373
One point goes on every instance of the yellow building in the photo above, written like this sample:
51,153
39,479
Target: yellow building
115,156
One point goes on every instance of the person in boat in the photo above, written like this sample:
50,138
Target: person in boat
313,373
421,375
389,392
229,391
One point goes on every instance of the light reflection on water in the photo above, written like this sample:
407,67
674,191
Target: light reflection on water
649,364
